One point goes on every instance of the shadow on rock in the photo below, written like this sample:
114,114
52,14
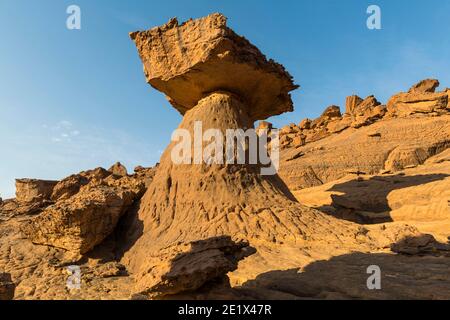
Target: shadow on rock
366,201
7,287
347,276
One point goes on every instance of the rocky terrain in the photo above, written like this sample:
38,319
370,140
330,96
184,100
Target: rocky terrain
367,187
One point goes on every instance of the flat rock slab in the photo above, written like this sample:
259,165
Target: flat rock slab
198,57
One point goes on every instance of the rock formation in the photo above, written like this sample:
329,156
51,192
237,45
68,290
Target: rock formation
417,195
368,138
87,209
425,86
217,78
420,99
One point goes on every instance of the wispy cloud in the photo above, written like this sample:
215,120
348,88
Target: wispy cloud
54,151
63,131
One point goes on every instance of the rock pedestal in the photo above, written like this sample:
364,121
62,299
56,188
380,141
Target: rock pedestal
218,79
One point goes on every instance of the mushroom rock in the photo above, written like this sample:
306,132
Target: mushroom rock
216,77
191,60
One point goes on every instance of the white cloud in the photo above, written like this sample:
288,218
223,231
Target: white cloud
62,131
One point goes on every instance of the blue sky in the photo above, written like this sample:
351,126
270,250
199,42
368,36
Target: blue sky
72,100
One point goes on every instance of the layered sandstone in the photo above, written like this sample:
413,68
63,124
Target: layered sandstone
420,99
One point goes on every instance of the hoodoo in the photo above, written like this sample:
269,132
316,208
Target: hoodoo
212,75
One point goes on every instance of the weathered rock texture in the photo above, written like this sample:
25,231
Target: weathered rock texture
425,86
421,98
217,200
198,57
118,169
359,113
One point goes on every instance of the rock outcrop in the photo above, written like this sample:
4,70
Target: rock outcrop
420,99
366,112
425,86
71,185
417,195
359,113
81,222
423,245
375,139
87,209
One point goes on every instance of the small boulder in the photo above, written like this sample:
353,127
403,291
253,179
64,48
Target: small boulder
118,169
264,125
423,244
404,156
332,112
188,266
305,124
427,85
